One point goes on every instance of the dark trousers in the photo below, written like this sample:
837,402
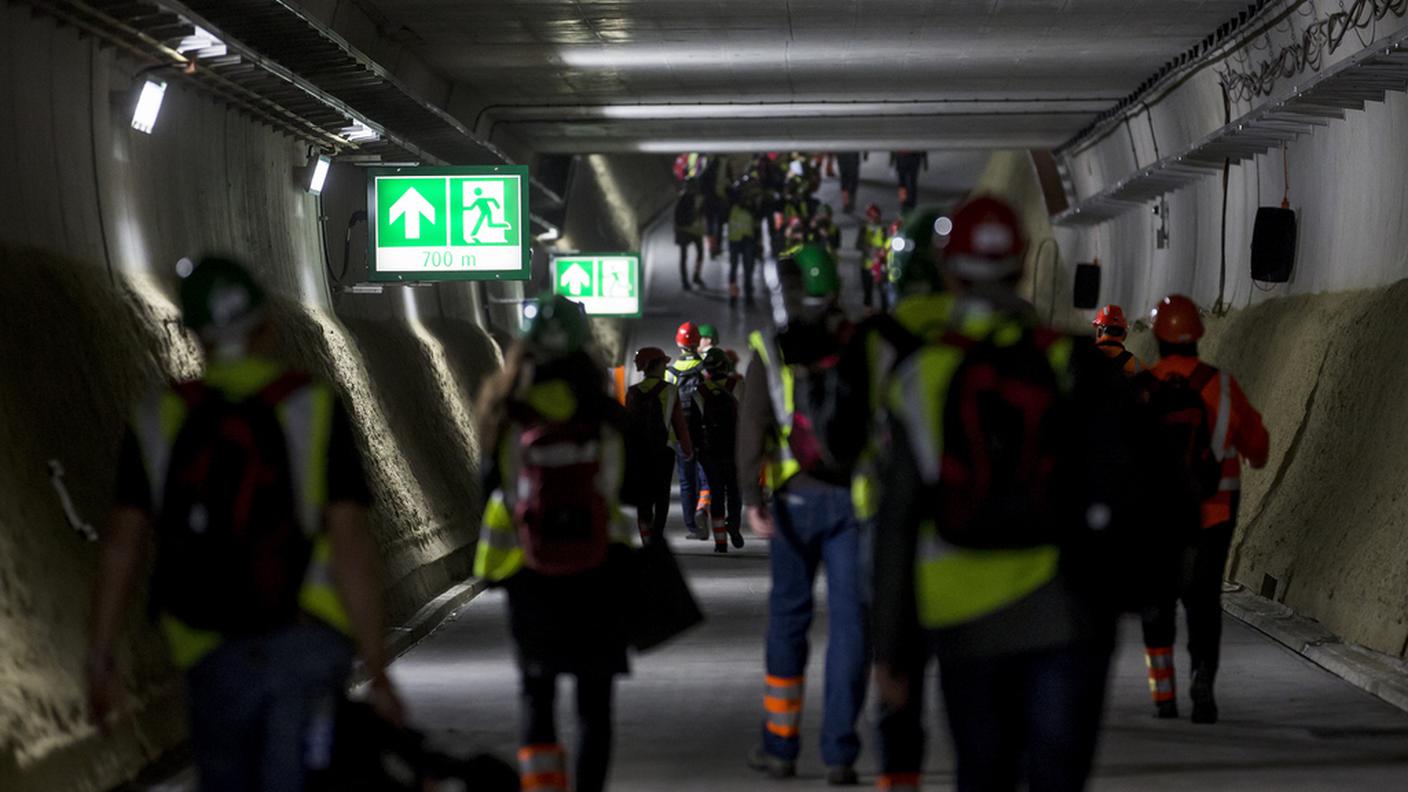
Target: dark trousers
909,182
900,730
654,507
849,163
698,245
726,501
1200,589
1029,716
744,251
867,283
261,708
594,696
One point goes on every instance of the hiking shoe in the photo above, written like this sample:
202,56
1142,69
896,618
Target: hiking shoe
842,775
699,534
720,547
771,766
1166,710
735,535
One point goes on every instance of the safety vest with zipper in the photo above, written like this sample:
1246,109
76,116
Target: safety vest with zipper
306,417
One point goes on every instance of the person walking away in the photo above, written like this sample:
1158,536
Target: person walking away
250,483
968,544
689,232
656,432
743,240
553,529
685,373
1111,330
873,242
881,343
849,164
824,230
714,186
907,166
1214,439
718,410
810,524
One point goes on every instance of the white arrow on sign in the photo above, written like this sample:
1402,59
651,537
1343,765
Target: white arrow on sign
576,279
413,207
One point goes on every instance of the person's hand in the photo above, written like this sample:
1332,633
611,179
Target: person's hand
104,690
893,687
382,695
760,521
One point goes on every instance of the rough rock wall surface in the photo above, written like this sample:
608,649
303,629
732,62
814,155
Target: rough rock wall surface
92,222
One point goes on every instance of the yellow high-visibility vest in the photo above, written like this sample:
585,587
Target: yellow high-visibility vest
957,585
306,418
782,466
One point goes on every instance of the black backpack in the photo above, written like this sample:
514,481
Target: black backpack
645,420
687,381
1004,426
686,210
1187,432
232,554
719,420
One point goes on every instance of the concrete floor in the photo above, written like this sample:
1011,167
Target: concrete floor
689,713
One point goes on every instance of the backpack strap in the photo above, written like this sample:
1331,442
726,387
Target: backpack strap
1201,376
1123,358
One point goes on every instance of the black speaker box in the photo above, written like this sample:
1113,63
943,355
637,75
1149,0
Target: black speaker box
1273,245
1087,288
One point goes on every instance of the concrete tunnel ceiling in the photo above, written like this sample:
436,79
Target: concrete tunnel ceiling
610,75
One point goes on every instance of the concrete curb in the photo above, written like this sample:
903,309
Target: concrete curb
433,614
1377,673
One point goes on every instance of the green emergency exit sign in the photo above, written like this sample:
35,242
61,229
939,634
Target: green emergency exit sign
606,284
450,223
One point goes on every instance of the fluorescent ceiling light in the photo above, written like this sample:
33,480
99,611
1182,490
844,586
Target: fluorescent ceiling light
148,105
319,175
204,43
359,132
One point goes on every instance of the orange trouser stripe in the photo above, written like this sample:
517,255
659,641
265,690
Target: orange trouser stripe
544,782
783,682
785,732
782,706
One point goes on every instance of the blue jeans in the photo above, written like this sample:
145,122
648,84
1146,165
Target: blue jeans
1034,716
261,708
692,481
816,526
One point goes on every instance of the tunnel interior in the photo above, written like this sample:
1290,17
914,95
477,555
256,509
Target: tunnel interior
1139,135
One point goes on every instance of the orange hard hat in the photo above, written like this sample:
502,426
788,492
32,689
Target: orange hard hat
1111,316
687,335
1176,320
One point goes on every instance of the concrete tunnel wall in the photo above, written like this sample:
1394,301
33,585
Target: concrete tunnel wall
1324,528
91,226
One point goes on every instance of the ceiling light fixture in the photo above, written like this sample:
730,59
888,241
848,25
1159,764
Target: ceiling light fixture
148,107
318,173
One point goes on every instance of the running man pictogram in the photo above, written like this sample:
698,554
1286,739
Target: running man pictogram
485,206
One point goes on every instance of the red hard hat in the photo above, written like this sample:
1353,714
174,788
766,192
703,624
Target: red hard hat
872,213
1111,316
688,335
648,356
987,242
1176,320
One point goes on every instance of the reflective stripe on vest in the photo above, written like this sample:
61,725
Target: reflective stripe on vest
306,419
783,704
957,585
784,466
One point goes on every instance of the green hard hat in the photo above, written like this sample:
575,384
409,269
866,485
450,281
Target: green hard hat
708,331
915,265
220,298
555,327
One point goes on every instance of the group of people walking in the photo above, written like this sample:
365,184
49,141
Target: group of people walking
963,476
747,200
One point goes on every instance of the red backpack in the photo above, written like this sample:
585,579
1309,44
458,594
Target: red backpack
231,553
561,514
1002,443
